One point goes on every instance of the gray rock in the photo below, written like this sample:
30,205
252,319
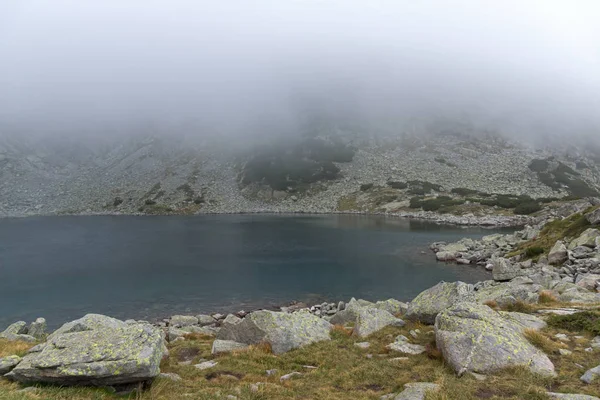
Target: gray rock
204,320
504,270
363,345
525,321
392,306
37,329
170,375
558,254
226,346
349,314
594,217
426,306
370,320
588,281
416,391
8,363
591,375
587,238
109,354
406,348
174,333
206,365
282,331
568,396
289,376
17,331
179,321
474,338
446,256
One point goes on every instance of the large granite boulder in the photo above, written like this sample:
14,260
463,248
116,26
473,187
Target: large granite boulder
94,350
37,329
8,363
588,281
474,338
504,293
558,254
591,375
594,217
282,331
587,238
504,270
370,320
349,314
429,303
392,306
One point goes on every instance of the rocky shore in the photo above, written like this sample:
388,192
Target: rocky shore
539,314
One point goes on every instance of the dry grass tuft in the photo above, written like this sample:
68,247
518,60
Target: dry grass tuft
9,348
264,347
547,297
340,331
433,353
491,304
520,306
542,342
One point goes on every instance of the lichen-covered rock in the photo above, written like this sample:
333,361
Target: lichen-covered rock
110,353
417,391
392,306
591,375
226,346
588,281
204,320
505,293
37,329
474,338
426,306
558,254
17,331
349,314
594,217
504,270
369,320
179,321
282,331
8,363
446,256
525,321
587,238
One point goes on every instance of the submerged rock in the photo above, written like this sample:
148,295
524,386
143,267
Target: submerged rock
94,350
429,303
474,338
282,331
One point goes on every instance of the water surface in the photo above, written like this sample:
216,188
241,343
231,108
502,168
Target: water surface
148,267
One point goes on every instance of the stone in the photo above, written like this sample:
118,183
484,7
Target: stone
282,331
580,252
108,352
568,396
591,375
565,352
593,217
474,338
349,314
504,270
445,256
406,348
271,372
8,363
392,306
371,320
289,376
205,330
426,306
363,345
206,365
17,331
587,238
204,320
179,321
558,254
226,346
174,334
416,391
37,329
525,321
588,281
170,375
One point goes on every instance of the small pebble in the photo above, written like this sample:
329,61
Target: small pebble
289,376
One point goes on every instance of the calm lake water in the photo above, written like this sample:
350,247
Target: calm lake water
148,267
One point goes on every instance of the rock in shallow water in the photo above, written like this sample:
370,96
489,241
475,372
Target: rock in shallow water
95,350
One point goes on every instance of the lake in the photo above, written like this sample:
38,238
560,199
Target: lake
137,267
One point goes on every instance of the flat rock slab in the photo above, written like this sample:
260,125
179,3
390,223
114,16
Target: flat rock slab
568,396
474,338
282,331
416,391
104,356
226,346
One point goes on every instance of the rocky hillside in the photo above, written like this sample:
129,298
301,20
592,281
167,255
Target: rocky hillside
323,173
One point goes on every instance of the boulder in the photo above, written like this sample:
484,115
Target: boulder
108,352
282,331
370,320
17,331
568,396
417,391
426,306
37,329
226,346
587,238
588,281
446,256
593,217
474,338
558,254
349,314
505,293
8,363
204,320
392,306
591,375
179,321
524,321
504,270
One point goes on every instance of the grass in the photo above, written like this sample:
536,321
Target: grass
547,297
586,321
343,371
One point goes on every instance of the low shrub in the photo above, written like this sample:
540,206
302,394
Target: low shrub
547,297
527,208
397,185
464,191
366,186
533,251
588,321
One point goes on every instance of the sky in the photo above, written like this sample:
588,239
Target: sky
233,67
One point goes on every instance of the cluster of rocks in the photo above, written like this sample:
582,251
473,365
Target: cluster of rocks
53,177
27,333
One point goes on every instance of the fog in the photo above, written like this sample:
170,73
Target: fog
250,68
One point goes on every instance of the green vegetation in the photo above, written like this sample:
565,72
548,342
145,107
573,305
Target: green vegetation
588,321
534,251
434,204
397,185
422,188
527,208
366,186
562,176
539,165
464,192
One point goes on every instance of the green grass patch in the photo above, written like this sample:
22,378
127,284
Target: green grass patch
588,321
